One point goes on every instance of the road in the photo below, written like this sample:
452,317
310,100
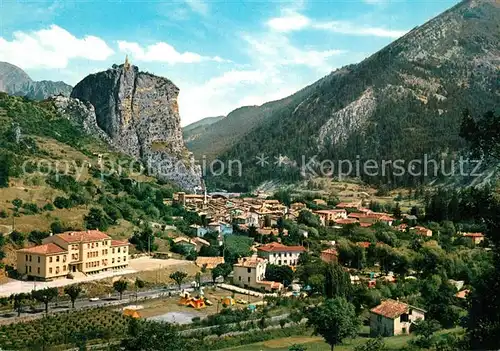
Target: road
129,297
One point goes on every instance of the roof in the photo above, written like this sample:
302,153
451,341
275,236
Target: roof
201,241
364,244
346,221
473,235
45,249
249,262
329,252
365,225
277,247
273,285
330,211
183,239
462,294
89,235
119,242
209,261
391,309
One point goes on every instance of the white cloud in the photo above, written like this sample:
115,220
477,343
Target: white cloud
163,52
51,48
198,6
345,27
275,50
218,95
289,22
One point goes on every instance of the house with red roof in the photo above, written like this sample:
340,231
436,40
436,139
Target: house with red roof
393,317
250,272
329,255
328,217
279,254
89,252
474,238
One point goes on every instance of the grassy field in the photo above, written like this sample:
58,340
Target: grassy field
315,343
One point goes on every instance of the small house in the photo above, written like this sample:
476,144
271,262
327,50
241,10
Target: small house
392,318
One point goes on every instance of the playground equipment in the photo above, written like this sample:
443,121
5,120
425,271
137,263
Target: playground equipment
195,302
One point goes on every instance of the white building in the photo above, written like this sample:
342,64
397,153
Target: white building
250,272
279,254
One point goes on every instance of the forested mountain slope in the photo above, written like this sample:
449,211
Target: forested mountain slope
404,101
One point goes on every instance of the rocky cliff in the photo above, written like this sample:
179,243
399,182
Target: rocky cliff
139,113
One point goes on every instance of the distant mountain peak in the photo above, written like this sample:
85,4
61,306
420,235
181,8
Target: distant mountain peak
14,81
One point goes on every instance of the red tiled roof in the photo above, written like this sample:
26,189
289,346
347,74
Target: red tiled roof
89,235
346,221
277,247
119,242
329,252
365,225
390,309
45,249
273,285
364,244
330,211
473,235
249,262
462,294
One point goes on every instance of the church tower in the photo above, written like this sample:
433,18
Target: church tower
126,65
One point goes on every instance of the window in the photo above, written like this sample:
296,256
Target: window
125,249
64,268
26,268
249,270
30,258
118,250
113,250
38,259
124,258
64,258
38,270
29,268
26,258
50,259
57,258
57,269
239,278
249,279
112,260
96,244
50,270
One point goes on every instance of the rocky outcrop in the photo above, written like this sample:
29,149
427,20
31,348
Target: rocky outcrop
81,114
139,113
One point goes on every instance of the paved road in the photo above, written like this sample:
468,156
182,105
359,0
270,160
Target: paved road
129,297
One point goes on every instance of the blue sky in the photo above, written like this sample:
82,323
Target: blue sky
221,54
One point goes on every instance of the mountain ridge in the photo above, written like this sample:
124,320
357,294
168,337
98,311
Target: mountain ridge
404,101
15,81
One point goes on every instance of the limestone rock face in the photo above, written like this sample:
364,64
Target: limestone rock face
81,114
139,113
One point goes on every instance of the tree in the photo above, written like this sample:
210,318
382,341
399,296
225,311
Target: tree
139,284
397,211
376,344
151,336
144,240
282,274
120,286
425,329
17,203
337,281
5,164
45,296
222,269
20,300
96,219
178,277
297,347
309,219
73,291
335,320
